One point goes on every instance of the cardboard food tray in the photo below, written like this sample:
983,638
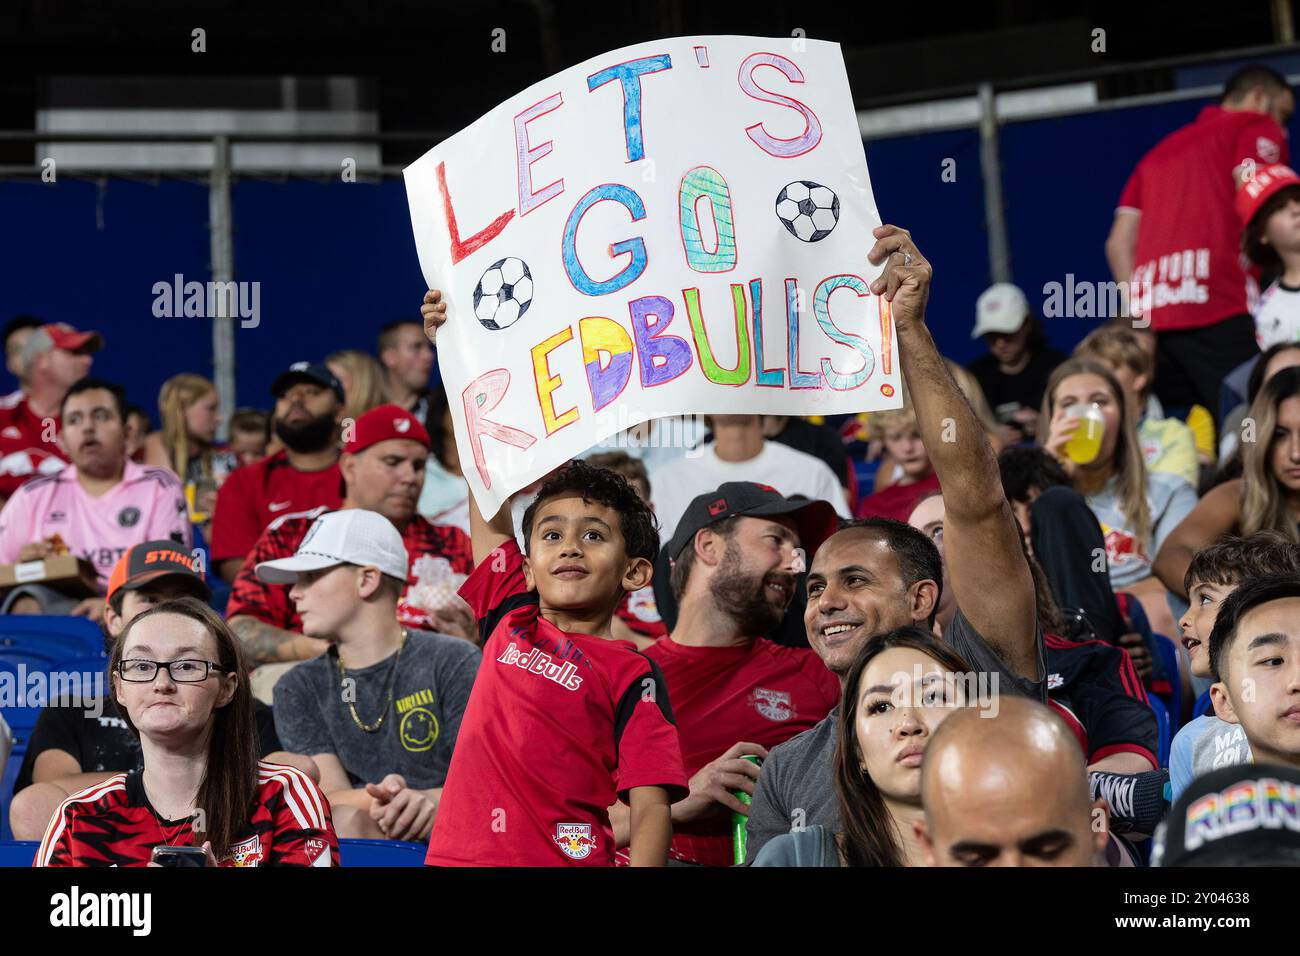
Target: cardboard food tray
65,573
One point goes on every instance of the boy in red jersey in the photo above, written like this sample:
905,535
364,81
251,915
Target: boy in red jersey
563,719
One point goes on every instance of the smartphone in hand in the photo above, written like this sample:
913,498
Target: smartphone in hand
179,856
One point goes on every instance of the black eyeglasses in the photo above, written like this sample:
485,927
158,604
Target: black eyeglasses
188,671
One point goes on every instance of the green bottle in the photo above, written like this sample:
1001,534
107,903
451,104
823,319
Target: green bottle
739,820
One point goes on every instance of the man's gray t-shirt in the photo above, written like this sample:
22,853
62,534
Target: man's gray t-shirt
429,694
796,786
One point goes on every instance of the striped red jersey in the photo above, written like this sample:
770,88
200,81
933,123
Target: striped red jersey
440,557
1096,689
113,824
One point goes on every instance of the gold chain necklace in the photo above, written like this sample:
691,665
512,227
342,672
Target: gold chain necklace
392,683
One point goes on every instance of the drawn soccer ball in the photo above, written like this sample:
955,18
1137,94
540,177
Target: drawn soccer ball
503,294
808,210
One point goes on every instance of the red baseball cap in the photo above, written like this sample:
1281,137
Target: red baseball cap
1261,187
383,423
59,336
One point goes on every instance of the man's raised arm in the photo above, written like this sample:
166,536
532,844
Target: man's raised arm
986,565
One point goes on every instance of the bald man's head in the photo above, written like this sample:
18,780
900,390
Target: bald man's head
1009,789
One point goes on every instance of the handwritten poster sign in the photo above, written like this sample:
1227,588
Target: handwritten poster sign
675,227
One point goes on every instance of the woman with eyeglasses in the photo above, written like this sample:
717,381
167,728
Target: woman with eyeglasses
203,797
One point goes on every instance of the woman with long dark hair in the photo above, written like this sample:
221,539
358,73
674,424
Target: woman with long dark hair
181,684
902,685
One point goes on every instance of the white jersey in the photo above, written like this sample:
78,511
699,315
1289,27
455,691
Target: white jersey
1277,317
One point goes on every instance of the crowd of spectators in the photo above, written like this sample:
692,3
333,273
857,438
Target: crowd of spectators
1045,613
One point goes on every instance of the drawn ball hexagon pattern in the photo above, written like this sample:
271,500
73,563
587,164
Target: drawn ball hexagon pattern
809,211
503,294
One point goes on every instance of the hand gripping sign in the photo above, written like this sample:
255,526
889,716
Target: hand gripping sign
675,227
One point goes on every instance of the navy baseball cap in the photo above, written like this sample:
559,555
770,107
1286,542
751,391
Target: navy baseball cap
1244,815
311,372
815,520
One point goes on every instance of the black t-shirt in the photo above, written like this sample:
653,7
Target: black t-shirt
1006,393
103,743
1097,686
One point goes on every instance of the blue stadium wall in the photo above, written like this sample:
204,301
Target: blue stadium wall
337,260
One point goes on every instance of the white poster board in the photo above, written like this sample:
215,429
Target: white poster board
674,227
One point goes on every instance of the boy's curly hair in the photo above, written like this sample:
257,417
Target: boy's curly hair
604,487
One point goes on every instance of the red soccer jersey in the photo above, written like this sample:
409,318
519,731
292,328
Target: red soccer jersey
897,501
640,613
113,824
25,451
436,553
255,495
558,727
1188,271
762,693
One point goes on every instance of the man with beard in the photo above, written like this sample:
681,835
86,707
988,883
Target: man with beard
305,475
879,574
382,470
734,693
95,508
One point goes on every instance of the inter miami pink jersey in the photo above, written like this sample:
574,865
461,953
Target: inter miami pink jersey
148,504
558,727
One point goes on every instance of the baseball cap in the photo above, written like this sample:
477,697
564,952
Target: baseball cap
1260,188
816,520
383,423
1244,815
1002,307
350,536
155,561
312,372
59,335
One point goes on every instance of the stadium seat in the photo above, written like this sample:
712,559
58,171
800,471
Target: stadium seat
1164,727
220,589
49,637
18,852
1203,706
1168,652
381,853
